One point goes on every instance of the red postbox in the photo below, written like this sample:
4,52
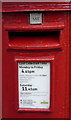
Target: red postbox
35,60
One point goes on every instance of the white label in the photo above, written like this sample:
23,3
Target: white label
35,18
34,84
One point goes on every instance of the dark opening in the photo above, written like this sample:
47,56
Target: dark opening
34,39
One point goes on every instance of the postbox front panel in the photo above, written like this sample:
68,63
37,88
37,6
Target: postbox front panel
35,70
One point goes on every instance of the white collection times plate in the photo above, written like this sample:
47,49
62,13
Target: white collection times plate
34,84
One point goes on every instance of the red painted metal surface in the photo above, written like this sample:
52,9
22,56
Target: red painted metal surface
69,64
39,6
24,42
